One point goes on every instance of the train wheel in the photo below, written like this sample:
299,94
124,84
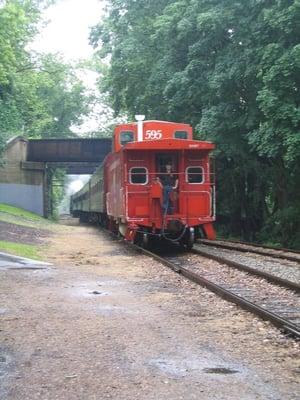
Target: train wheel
191,239
142,239
83,217
145,241
187,242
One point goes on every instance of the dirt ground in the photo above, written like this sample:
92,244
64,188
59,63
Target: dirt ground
22,234
105,323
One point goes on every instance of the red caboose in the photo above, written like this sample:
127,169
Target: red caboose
158,183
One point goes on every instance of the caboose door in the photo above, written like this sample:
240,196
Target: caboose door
162,159
169,177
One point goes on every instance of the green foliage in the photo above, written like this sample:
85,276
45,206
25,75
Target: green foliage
18,216
17,23
285,227
232,69
19,212
40,96
19,249
53,99
57,180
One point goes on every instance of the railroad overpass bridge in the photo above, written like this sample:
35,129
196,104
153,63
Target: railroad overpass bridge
76,156
25,177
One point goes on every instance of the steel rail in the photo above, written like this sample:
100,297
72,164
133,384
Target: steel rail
266,275
215,243
247,305
277,320
263,246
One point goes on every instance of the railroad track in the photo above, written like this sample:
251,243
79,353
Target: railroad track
285,254
281,306
262,246
262,268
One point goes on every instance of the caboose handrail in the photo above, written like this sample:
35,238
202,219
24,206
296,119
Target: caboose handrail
209,177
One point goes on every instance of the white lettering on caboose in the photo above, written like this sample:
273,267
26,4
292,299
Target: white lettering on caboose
153,134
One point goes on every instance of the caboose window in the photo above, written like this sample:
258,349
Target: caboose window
138,176
126,137
194,175
180,135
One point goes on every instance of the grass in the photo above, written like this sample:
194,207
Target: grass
23,250
19,216
19,212
17,220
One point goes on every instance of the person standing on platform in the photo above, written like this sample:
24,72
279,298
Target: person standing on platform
169,183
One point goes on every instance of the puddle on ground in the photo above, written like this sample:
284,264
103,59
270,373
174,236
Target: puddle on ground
170,368
3,311
108,310
175,368
88,292
97,293
220,370
94,289
110,283
7,369
5,363
113,253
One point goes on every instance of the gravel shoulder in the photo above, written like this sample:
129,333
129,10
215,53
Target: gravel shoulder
103,322
285,269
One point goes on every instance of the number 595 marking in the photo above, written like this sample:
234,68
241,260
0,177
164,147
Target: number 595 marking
153,134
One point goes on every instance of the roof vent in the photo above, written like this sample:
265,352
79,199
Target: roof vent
140,119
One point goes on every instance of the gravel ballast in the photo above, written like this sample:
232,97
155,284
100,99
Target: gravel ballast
284,269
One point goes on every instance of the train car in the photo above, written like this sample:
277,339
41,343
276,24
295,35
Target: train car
89,202
128,193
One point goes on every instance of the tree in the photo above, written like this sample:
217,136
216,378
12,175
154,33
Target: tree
15,32
232,70
52,99
40,96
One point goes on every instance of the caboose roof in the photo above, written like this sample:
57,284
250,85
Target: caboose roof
169,144
158,121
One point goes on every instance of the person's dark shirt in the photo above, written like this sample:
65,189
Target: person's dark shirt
168,179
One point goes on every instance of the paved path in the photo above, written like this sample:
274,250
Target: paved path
9,261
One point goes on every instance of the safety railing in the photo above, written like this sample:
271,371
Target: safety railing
181,182
187,177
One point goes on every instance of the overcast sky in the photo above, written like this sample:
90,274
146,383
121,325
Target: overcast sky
67,32
68,29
